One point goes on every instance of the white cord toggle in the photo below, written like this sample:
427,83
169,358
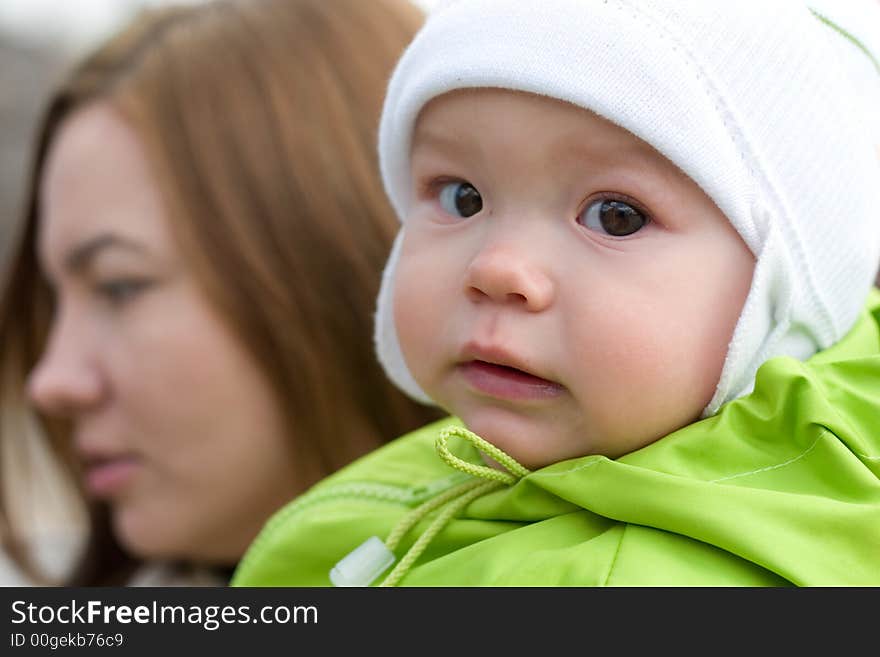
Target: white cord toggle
363,564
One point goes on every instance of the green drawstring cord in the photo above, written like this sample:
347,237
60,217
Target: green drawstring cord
514,473
453,500
474,490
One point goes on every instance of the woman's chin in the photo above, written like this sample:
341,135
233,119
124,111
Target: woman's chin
146,537
150,538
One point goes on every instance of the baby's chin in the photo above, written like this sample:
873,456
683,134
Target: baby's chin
540,437
534,442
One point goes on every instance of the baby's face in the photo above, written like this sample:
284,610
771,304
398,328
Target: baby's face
562,287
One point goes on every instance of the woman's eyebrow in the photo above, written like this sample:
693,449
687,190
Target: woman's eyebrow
82,255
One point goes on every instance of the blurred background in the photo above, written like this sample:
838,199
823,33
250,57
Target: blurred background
38,39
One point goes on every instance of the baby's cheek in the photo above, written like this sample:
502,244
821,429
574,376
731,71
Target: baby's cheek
416,311
408,316
648,380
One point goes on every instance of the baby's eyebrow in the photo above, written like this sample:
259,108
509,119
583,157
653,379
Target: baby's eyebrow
431,138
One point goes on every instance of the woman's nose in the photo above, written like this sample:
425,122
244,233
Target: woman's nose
503,274
65,381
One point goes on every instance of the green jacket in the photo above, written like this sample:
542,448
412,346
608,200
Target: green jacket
780,487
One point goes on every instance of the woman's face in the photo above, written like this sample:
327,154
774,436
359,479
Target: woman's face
175,425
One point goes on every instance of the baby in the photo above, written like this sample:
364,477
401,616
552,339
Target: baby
636,264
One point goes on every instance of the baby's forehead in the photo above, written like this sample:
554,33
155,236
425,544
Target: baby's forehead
480,117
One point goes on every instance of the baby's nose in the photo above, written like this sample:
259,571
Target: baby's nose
503,275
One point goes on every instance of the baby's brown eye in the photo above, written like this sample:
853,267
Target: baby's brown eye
611,217
461,199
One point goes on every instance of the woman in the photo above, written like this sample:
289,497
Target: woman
186,320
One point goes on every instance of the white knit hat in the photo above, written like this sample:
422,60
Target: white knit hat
771,106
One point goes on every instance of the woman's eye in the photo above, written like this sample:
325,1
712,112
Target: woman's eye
615,218
117,292
460,199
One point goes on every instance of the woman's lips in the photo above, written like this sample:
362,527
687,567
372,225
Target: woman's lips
507,382
104,477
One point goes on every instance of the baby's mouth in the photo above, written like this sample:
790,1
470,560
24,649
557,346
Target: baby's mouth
506,382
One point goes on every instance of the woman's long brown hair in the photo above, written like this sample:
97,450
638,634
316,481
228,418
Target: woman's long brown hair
259,118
